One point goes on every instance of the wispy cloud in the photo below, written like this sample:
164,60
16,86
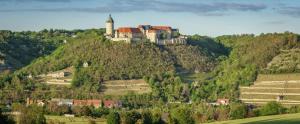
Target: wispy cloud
293,11
36,1
275,22
118,6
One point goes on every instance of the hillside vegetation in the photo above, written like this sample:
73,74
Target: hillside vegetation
18,49
288,61
249,55
116,60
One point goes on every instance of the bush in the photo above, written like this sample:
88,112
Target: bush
131,117
32,115
272,108
294,109
237,111
113,118
146,117
182,115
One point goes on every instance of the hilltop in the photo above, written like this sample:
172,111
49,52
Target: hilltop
117,60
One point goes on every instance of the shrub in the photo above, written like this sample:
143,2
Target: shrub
32,115
294,109
131,117
182,115
113,118
272,108
237,111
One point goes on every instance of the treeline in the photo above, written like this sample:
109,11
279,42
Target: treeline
18,49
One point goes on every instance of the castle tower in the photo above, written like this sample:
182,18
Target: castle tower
110,26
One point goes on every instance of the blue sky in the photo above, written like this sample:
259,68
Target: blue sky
204,17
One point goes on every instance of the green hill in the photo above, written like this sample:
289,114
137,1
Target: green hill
117,60
248,56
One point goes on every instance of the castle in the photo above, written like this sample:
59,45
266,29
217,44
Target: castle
161,35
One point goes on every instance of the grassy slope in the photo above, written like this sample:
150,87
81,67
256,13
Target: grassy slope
275,119
75,120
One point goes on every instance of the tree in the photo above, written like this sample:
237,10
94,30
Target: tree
32,115
131,117
237,111
182,115
272,108
146,117
113,118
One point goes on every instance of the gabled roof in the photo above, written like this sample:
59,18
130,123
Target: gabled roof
129,30
161,27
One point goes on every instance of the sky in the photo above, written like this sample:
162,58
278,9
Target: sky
203,17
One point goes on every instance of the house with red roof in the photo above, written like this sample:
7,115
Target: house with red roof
112,104
157,34
88,102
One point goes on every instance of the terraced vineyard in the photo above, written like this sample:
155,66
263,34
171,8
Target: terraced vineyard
62,77
122,87
284,88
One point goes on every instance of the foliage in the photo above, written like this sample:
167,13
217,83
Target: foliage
146,117
82,111
272,108
248,56
113,118
18,49
131,117
237,111
182,115
32,115
168,87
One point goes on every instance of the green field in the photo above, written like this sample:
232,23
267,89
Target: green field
275,119
73,120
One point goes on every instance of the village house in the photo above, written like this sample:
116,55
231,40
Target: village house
90,102
222,101
112,104
161,35
37,102
68,102
58,74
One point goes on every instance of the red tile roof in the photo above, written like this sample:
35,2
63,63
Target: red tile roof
129,30
112,103
161,27
91,102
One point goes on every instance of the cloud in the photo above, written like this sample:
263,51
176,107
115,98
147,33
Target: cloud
275,22
50,1
293,11
119,6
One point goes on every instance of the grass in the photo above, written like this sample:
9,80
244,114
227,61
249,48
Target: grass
73,120
274,119
191,77
121,87
278,77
